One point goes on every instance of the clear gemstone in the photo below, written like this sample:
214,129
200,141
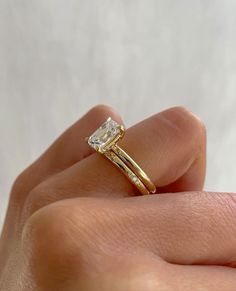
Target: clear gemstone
104,135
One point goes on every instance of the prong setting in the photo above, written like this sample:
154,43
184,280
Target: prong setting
106,136
104,140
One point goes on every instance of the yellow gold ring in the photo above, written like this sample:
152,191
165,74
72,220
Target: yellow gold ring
104,140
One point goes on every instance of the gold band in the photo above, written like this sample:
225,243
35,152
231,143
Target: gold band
104,140
127,171
135,168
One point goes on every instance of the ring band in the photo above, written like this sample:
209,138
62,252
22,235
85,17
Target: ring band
127,171
137,170
104,140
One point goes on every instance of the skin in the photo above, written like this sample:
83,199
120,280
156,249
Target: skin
74,222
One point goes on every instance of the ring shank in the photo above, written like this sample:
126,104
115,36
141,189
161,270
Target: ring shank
137,170
117,161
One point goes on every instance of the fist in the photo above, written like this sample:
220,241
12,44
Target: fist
74,222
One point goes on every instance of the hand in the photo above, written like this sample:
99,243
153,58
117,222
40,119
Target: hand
74,222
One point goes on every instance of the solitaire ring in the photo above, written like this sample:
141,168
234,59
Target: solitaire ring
104,140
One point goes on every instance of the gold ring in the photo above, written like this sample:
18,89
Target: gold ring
104,140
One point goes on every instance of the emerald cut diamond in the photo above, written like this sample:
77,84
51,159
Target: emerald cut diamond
106,136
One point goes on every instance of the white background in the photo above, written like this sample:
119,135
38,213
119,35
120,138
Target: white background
60,57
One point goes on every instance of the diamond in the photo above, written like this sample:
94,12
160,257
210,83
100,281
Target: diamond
103,137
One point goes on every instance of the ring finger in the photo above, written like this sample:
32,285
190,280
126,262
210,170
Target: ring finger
169,146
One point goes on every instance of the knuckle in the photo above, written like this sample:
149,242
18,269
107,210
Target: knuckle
19,181
187,124
44,228
61,236
19,185
38,197
24,183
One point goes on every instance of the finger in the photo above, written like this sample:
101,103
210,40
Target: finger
188,228
137,238
67,150
169,146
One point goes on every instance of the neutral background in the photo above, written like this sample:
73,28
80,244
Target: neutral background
60,57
